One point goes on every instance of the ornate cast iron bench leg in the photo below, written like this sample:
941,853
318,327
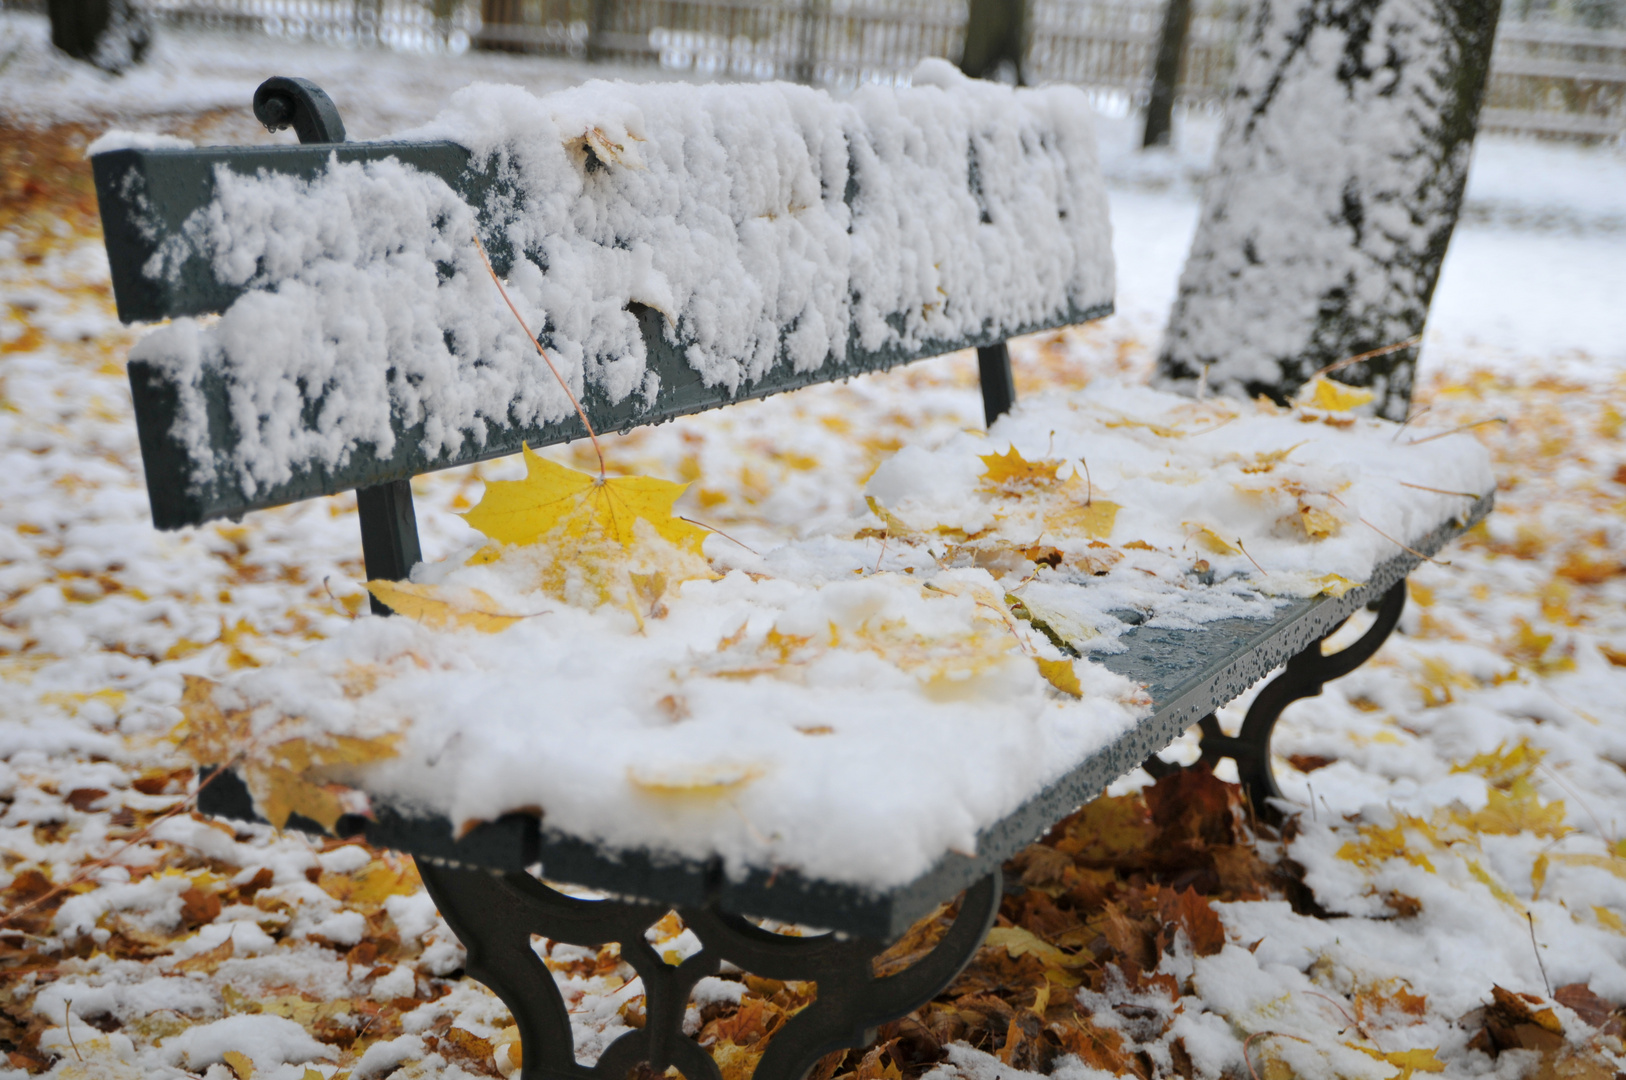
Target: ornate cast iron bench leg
1304,676
495,914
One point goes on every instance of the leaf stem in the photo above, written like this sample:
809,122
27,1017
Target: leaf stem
1453,431
719,532
586,423
1369,355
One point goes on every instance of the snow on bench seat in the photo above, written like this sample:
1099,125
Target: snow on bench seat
853,706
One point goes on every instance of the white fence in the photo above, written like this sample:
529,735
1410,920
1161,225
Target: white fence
1547,77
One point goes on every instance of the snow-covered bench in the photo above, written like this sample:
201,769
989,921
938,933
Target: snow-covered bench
683,248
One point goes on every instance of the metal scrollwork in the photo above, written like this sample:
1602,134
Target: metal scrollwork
495,915
1303,677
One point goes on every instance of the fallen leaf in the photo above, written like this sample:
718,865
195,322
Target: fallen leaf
1318,524
240,1064
1330,396
1408,1062
555,500
715,778
1011,470
206,962
442,608
1019,942
1211,541
1070,512
1060,674
1334,585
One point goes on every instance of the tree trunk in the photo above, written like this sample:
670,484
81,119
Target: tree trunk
1337,183
996,38
1171,47
110,34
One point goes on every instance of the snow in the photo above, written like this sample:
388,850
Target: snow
699,732
771,225
93,602
267,1040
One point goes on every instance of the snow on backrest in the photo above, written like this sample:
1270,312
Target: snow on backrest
772,227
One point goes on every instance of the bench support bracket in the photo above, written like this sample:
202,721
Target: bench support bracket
1303,677
496,914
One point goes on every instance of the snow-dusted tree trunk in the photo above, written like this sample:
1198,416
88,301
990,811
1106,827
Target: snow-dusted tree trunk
112,34
1337,182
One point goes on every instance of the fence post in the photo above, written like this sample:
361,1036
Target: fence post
1337,182
1171,47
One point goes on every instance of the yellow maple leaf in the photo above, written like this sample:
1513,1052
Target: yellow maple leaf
1530,649
442,608
554,500
1609,919
1504,766
1323,393
1060,674
1518,810
240,1064
1073,512
1378,844
1011,469
284,776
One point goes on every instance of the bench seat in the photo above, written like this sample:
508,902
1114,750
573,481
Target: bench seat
808,739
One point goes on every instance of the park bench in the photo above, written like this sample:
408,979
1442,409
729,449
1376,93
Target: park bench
480,879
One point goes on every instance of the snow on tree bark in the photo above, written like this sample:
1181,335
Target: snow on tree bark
111,34
1337,182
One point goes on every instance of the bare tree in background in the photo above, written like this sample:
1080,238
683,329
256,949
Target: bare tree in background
1336,185
1171,47
112,34
996,40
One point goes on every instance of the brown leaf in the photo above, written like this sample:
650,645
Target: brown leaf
1042,865
162,781
1579,999
85,799
1198,918
199,907
1100,1048
464,1046
207,962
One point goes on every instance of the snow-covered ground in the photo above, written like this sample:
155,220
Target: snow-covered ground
1464,795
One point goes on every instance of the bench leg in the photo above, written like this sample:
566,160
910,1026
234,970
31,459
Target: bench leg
998,385
1303,677
495,914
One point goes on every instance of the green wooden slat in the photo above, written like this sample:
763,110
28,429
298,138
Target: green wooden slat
146,196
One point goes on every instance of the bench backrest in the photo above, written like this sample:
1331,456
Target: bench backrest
676,248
